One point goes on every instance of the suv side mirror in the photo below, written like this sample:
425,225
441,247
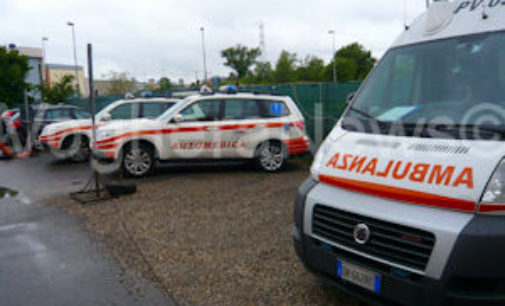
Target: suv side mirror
177,118
350,96
106,117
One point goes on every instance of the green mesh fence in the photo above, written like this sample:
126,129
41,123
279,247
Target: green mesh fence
322,104
323,101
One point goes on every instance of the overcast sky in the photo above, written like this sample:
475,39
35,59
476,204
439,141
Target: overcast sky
151,38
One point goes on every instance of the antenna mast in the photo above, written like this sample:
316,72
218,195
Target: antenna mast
263,47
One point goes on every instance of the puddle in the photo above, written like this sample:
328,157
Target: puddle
6,193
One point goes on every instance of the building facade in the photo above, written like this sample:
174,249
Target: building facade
54,73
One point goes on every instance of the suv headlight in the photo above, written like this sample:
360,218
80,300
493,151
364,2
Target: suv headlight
493,198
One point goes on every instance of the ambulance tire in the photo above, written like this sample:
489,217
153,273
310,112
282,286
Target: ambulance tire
270,156
79,150
137,160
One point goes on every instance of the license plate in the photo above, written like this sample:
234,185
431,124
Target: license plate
359,276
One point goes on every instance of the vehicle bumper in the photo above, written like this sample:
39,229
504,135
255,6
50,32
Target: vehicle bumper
474,273
104,156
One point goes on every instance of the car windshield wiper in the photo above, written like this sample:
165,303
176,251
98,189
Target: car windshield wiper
368,116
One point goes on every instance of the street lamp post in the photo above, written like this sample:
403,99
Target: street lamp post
334,56
204,57
43,62
44,39
71,24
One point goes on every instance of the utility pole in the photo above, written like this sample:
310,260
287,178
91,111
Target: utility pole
334,56
204,57
43,63
71,24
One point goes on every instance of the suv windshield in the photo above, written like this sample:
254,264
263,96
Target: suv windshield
457,82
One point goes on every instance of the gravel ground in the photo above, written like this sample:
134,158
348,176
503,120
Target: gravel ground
212,235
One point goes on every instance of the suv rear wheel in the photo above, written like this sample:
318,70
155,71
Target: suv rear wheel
270,156
138,160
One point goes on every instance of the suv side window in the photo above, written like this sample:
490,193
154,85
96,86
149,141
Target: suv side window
206,110
236,109
58,114
154,109
81,114
274,109
125,111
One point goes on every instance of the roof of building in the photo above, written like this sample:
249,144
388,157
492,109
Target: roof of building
62,67
30,52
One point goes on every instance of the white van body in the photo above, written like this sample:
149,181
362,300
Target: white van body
266,128
406,194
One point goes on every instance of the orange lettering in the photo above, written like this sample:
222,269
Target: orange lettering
357,163
385,173
439,176
344,166
333,161
401,176
419,172
370,167
465,177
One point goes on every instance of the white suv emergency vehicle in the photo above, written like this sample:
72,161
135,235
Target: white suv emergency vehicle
406,199
266,128
71,138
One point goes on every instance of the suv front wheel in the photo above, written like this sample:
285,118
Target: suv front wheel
138,160
270,156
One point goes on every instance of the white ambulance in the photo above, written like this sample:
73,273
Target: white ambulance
71,138
406,199
264,128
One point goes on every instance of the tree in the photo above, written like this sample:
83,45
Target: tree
362,59
164,83
263,72
13,70
120,83
59,91
311,69
240,58
285,67
346,70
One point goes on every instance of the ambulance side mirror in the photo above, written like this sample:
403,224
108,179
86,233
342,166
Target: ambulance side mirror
177,118
106,117
350,96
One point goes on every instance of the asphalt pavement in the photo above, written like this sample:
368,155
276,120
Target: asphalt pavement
46,258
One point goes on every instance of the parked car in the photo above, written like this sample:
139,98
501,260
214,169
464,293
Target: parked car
406,201
71,139
264,128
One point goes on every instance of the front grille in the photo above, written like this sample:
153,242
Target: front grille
399,244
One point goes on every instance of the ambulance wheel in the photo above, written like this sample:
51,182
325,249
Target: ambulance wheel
78,148
270,156
138,160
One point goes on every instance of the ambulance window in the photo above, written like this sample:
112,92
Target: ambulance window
125,111
58,114
81,114
402,81
274,109
207,110
154,109
241,109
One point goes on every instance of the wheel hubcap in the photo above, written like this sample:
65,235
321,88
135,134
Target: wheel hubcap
271,158
137,161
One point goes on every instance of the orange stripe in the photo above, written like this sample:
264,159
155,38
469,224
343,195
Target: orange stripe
154,132
236,126
189,129
107,146
486,208
86,127
399,194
